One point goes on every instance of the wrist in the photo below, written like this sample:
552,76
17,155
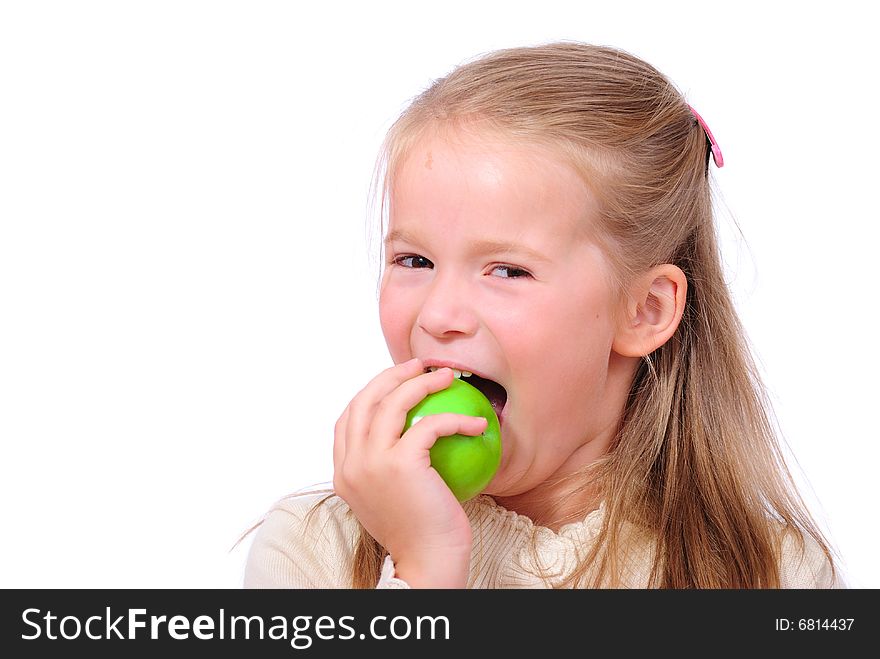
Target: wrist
446,570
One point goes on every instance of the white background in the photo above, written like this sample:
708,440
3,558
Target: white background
187,298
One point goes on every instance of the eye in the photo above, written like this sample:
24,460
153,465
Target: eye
512,272
412,261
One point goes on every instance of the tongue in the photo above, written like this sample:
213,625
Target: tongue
491,390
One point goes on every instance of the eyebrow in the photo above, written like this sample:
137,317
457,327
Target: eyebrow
485,246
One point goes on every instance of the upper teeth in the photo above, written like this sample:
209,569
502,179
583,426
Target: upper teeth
455,372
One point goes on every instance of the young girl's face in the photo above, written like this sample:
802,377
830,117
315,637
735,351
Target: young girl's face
489,270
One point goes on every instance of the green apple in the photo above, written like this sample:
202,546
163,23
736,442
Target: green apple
465,463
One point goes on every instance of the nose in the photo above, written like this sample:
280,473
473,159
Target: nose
447,309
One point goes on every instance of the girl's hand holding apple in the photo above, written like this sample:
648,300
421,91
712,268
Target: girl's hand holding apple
388,482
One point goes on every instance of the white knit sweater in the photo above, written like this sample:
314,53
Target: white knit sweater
509,550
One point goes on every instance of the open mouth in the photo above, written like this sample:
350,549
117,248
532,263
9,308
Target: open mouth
496,394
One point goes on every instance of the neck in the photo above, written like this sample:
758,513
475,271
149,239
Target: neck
555,504
571,493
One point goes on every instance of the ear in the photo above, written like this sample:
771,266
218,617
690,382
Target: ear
652,312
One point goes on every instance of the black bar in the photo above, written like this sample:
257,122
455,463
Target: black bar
328,623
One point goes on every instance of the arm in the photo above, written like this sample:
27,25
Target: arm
387,479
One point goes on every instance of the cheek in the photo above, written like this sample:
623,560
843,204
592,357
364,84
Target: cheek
396,322
560,320
565,340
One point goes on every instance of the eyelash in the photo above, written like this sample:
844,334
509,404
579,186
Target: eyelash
398,260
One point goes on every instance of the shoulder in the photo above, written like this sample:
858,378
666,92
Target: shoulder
805,564
304,541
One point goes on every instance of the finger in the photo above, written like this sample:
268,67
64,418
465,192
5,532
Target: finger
391,414
362,408
423,435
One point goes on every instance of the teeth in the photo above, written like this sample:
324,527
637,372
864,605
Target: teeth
455,372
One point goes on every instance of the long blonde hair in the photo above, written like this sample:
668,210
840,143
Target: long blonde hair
697,464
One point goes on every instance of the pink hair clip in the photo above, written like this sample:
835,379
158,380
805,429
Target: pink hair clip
716,150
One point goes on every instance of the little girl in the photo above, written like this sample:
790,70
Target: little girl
550,233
